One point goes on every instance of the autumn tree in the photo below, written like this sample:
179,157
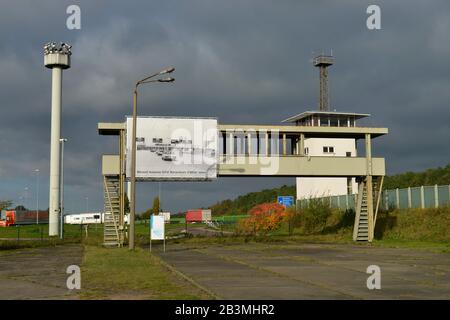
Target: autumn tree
263,218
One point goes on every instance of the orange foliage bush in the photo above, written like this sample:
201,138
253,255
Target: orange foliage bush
263,219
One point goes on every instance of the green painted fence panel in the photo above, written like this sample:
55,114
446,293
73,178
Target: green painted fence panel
444,195
403,198
415,198
429,196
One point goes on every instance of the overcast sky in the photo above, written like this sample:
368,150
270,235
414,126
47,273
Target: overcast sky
241,61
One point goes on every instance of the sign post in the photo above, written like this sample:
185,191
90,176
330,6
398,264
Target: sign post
157,230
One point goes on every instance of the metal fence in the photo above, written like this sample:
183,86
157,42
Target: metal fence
407,198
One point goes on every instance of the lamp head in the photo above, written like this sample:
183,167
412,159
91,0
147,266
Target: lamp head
166,80
168,70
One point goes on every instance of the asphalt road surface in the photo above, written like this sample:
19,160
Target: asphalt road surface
38,273
312,271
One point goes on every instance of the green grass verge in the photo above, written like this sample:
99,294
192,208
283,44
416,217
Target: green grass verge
414,225
41,231
123,274
433,246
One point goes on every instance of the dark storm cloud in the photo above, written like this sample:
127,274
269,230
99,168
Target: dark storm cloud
240,61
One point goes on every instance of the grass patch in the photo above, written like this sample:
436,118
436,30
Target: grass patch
433,246
39,232
121,274
432,225
424,229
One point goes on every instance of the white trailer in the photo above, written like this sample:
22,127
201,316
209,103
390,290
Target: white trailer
84,218
166,216
206,215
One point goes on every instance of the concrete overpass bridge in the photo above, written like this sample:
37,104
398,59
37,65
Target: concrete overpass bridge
267,151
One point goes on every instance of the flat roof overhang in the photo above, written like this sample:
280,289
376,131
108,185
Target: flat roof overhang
110,128
330,113
114,128
310,132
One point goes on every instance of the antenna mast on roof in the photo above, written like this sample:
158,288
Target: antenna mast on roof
323,62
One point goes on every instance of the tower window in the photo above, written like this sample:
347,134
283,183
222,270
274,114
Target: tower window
328,149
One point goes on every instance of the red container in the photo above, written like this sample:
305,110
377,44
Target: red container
194,216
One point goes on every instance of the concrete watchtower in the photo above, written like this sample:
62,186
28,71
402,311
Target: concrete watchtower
57,58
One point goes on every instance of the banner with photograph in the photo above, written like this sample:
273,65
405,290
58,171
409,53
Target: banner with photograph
173,148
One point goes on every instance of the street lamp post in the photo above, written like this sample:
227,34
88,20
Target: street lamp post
26,198
37,195
133,149
61,219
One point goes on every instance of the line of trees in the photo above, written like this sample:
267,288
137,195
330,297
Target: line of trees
439,176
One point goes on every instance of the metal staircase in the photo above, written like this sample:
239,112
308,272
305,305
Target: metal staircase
112,235
364,228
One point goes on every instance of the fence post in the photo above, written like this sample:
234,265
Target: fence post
339,202
397,198
436,196
422,198
409,198
386,200
346,201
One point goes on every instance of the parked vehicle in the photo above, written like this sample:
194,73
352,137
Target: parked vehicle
22,217
88,218
84,218
168,157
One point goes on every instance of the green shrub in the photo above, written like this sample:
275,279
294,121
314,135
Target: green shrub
313,218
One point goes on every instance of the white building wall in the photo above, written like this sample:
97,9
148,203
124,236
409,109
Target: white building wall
320,187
